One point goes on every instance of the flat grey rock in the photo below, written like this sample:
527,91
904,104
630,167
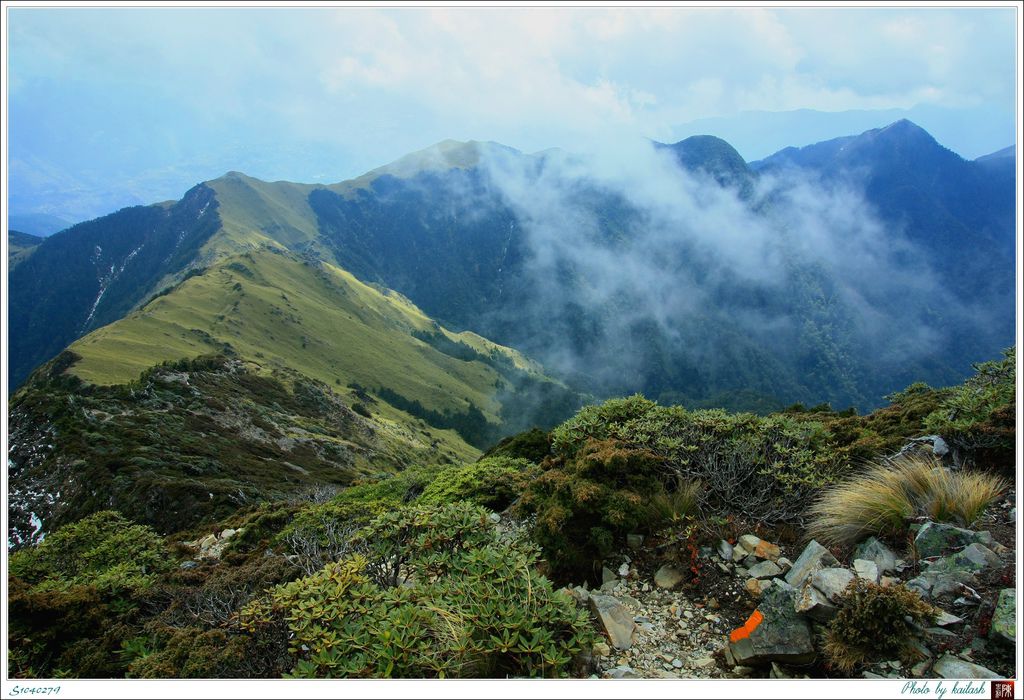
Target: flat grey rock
813,557
764,569
832,581
874,550
616,620
953,667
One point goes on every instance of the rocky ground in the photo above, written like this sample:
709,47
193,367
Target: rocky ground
759,609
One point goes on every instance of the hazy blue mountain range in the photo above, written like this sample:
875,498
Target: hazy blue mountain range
835,272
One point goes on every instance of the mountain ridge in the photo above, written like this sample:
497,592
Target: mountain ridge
434,227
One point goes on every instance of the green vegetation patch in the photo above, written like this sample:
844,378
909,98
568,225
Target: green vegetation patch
436,593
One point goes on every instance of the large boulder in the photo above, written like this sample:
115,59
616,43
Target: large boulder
866,569
975,557
945,575
1004,619
814,604
616,620
774,632
813,557
873,550
832,581
765,569
936,539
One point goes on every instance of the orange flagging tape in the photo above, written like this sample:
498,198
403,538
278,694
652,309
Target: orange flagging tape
749,626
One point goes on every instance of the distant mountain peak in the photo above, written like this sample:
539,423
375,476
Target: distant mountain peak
904,129
712,155
448,154
1008,152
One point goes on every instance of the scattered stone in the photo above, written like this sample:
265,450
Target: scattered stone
762,549
741,572
609,586
713,603
634,541
630,600
939,446
703,662
750,561
749,542
814,604
866,569
743,671
581,594
784,564
207,541
676,663
228,533
977,645
765,569
940,633
624,571
832,581
774,632
873,550
873,676
622,672
602,649
668,577
756,587
494,518
607,575
946,619
188,564
921,668
952,667
739,553
813,557
948,575
1004,619
888,581
725,550
615,619
935,539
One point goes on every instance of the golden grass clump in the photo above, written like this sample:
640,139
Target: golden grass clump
672,506
880,500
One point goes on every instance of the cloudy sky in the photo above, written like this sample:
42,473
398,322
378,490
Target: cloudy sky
120,106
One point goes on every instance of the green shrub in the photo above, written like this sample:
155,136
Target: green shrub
323,533
765,468
494,482
583,504
534,445
103,550
437,593
874,623
978,418
194,652
882,499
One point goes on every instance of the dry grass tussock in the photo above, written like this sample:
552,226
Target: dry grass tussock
880,500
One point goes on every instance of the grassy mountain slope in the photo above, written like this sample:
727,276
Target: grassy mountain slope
257,377
20,246
312,317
